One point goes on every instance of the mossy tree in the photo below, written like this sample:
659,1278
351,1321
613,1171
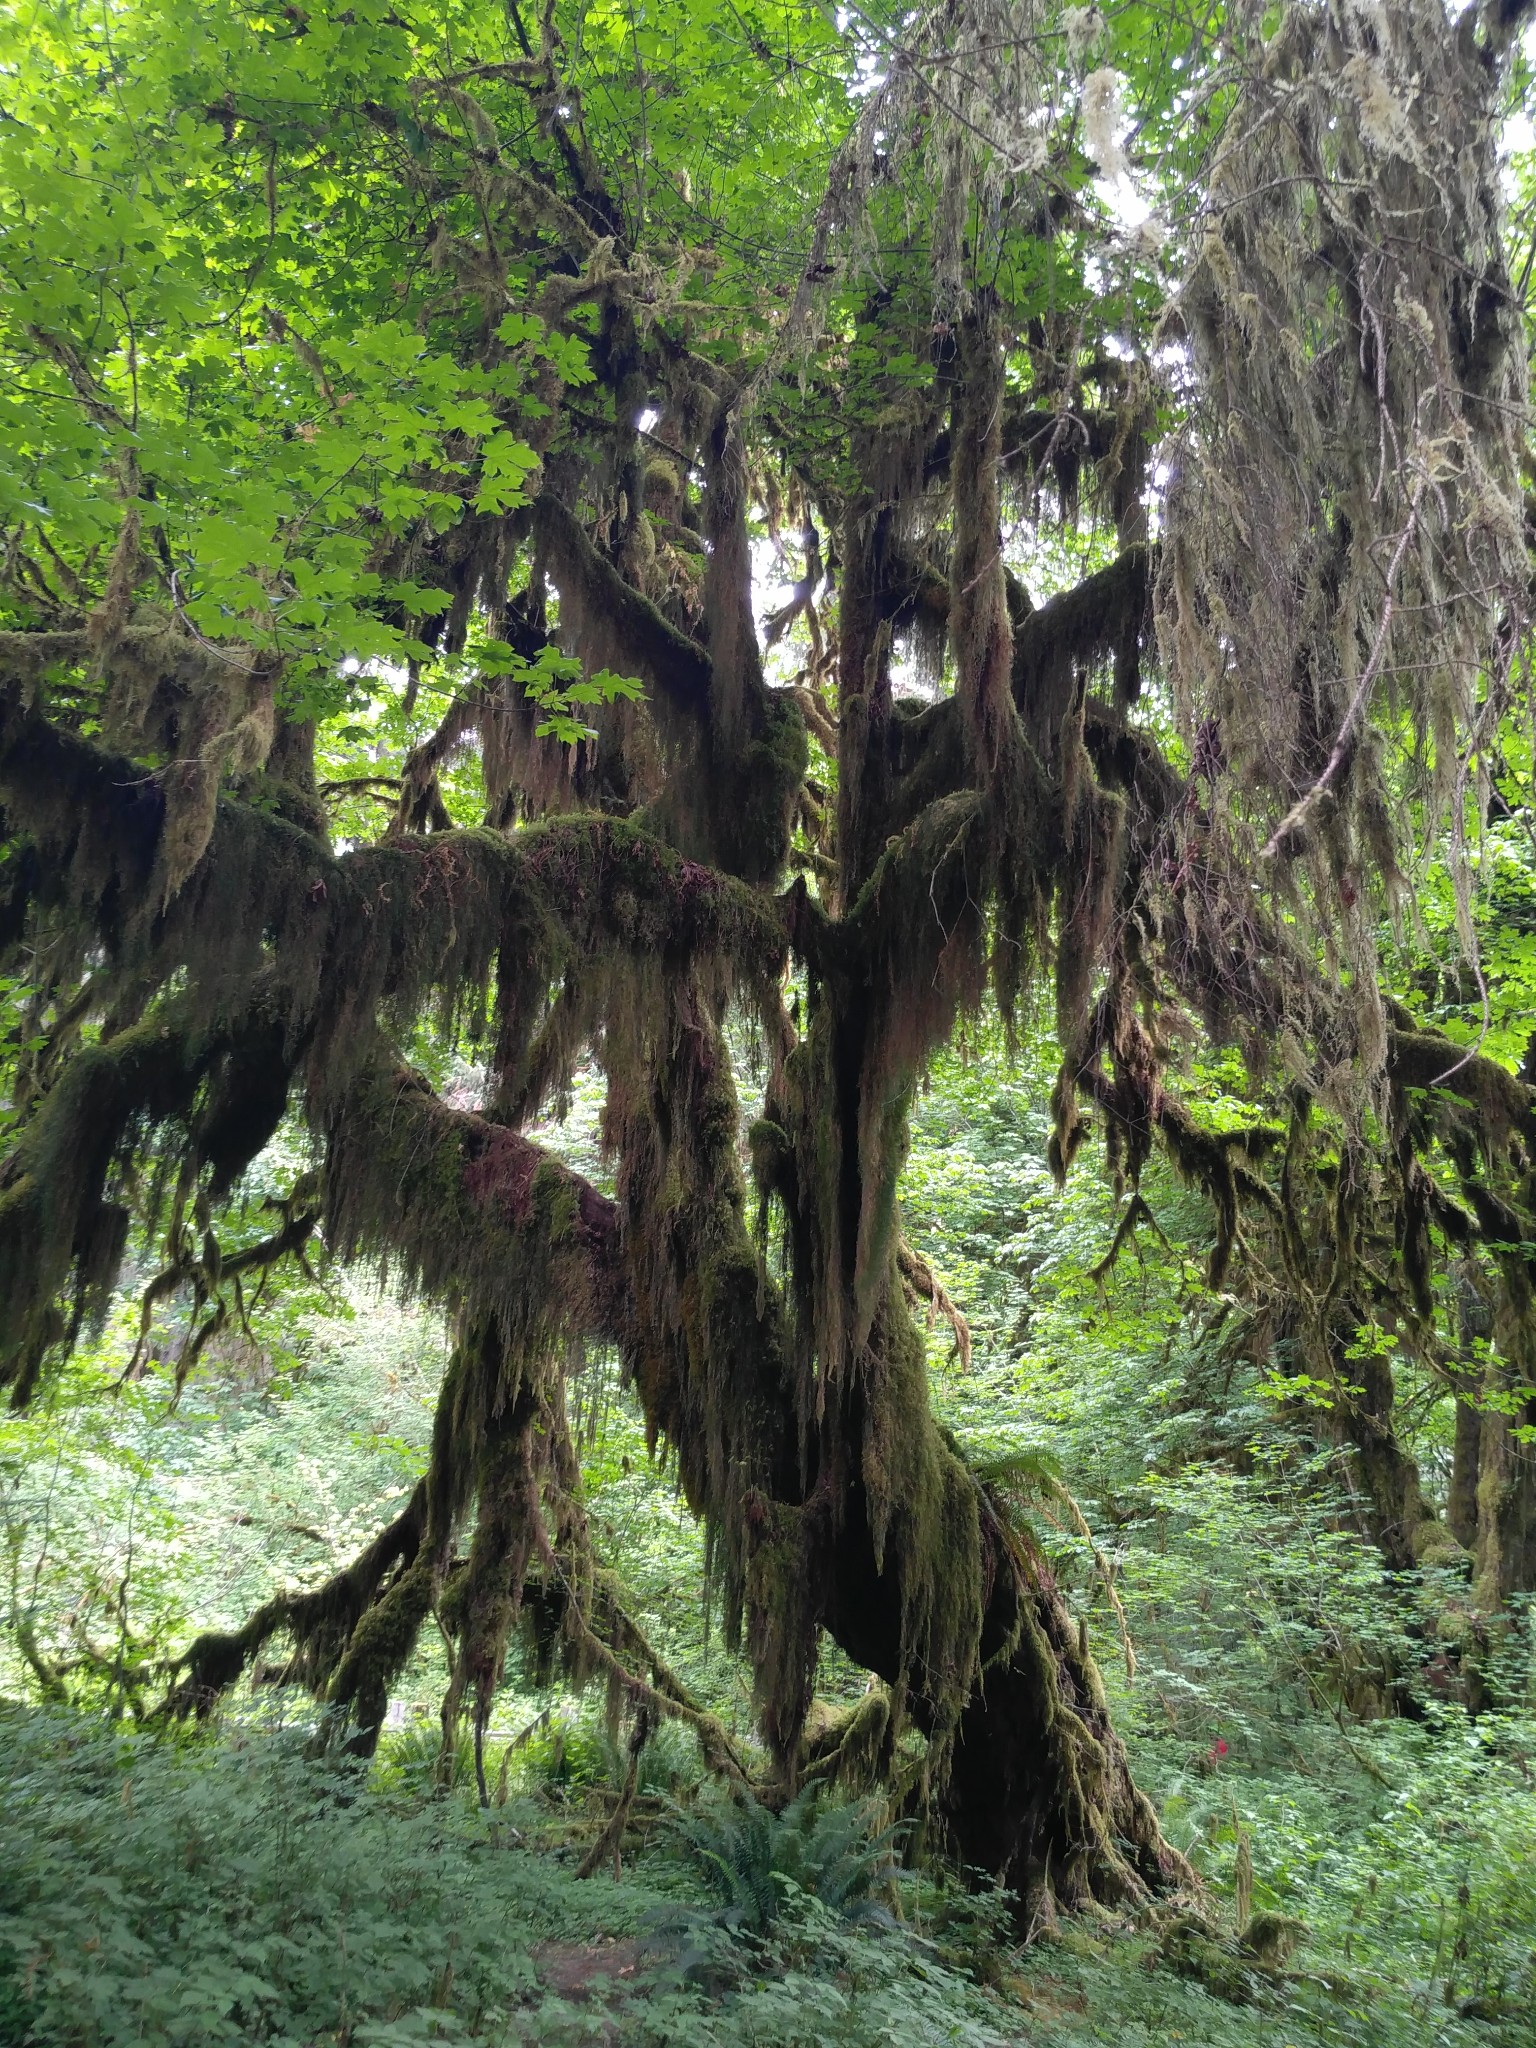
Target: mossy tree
444,357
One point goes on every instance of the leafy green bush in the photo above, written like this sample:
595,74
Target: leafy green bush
564,1756
237,1892
756,1861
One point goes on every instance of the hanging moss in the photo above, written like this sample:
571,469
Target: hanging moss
94,819
781,1624
467,1211
923,1510
61,1231
756,788
382,929
1101,619
1086,902
851,1748
912,945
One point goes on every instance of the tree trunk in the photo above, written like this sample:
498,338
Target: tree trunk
1035,1787
1506,1507
835,1501
1461,1502
938,1588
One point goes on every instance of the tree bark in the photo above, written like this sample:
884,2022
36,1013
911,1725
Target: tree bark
1466,1453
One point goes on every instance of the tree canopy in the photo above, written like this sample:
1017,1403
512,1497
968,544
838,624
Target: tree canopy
407,408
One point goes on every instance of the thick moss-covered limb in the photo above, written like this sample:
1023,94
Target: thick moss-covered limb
896,971
933,1585
1040,1788
99,823
438,914
850,1747
379,1649
395,924
531,1559
757,784
1100,622
613,625
903,1556
915,1507
1104,618
527,1485
323,946
495,1395
1056,647
391,928
152,665
470,1212
1506,1105
733,753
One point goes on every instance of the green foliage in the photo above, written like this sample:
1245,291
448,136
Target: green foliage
757,1862
128,1516
563,1755
188,1896
242,1895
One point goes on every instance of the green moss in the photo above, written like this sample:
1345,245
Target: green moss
379,1648
757,789
852,1747
62,1234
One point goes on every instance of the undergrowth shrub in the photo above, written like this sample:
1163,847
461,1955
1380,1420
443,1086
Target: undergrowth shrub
755,1861
237,1892
570,1754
